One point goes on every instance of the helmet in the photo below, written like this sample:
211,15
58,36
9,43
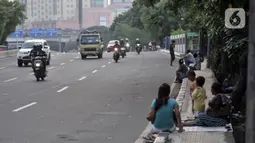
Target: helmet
37,46
137,39
126,39
116,42
121,39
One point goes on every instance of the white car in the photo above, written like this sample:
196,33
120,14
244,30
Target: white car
23,56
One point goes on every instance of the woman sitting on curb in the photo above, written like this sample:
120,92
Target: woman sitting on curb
162,112
218,112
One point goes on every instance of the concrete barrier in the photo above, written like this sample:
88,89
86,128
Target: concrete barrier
8,53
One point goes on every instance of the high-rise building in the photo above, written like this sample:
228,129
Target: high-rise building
64,13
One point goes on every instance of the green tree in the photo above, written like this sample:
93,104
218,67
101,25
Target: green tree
126,31
12,14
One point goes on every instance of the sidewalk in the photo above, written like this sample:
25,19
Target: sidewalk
184,101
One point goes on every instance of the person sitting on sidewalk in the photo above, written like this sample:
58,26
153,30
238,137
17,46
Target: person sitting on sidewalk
218,112
162,112
189,58
199,97
181,72
198,62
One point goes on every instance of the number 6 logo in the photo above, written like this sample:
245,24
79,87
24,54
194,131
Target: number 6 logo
235,18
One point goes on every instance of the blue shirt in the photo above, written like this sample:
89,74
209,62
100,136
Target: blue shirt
164,116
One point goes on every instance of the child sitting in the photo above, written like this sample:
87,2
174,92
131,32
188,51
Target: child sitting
199,96
192,78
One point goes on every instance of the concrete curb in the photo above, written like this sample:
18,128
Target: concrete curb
182,93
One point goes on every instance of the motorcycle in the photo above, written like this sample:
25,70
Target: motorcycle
38,66
116,55
128,47
123,52
138,48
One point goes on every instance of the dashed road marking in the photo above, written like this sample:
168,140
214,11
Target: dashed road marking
77,57
8,80
109,62
82,78
32,73
71,60
2,68
23,107
62,64
94,71
103,66
62,89
51,68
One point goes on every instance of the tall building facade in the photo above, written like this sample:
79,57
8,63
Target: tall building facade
65,13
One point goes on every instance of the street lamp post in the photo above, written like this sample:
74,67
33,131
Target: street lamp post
250,110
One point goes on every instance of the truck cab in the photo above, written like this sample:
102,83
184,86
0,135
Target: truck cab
90,44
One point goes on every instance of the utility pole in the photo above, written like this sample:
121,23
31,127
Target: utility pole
59,40
250,100
80,13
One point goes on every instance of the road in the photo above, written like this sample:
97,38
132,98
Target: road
81,101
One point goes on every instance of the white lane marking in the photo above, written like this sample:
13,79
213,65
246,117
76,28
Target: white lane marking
32,73
62,64
51,68
62,89
82,78
109,62
77,57
23,107
8,80
71,60
52,55
2,68
103,66
94,71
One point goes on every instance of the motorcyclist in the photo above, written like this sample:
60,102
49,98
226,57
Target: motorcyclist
37,51
116,45
137,41
153,43
122,42
127,41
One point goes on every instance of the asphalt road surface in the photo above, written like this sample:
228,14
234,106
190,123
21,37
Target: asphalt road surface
81,101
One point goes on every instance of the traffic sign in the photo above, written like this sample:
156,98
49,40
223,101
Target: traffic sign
52,32
36,32
18,33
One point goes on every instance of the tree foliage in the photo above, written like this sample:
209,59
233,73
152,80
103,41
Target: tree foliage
207,17
156,21
12,14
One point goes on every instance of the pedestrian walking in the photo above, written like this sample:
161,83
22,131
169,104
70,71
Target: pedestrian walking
171,49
